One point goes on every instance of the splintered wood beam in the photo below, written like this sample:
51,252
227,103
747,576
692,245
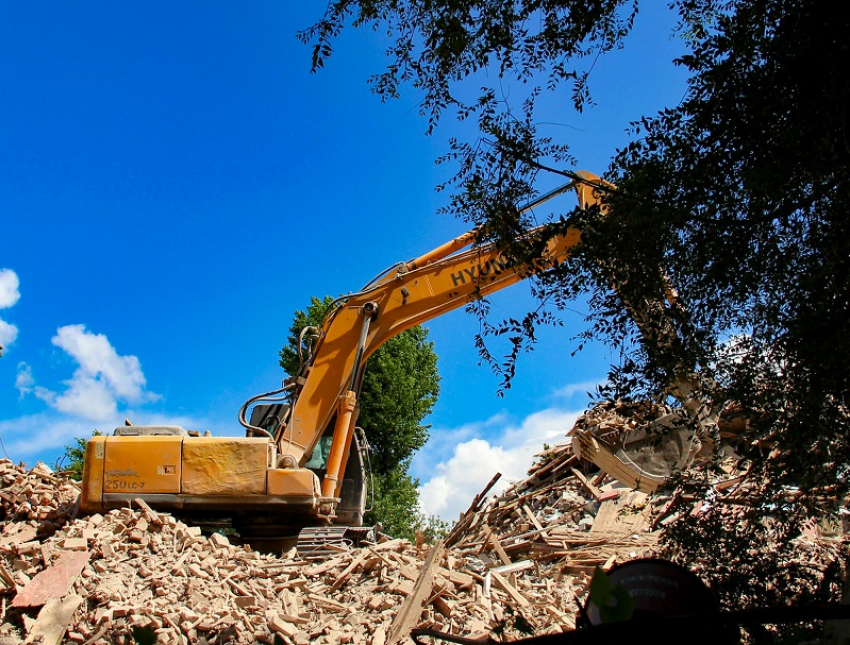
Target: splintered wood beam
513,567
497,546
408,615
593,490
467,516
512,591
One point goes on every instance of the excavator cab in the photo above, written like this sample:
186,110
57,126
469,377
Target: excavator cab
269,416
352,505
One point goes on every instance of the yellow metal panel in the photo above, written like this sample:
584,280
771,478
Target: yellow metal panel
293,482
92,488
142,465
225,465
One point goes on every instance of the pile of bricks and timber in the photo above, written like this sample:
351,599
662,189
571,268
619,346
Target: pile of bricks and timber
520,560
68,578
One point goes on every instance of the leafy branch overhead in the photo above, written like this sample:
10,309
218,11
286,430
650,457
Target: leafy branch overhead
614,602
737,198
458,56
437,44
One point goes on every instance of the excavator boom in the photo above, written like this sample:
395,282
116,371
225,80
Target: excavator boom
416,292
296,470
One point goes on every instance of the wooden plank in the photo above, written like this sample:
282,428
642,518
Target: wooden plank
612,493
6,577
327,565
593,490
512,591
151,514
534,521
462,580
721,486
327,603
388,545
408,615
343,577
588,447
54,581
578,569
514,567
557,463
563,519
497,547
53,620
467,517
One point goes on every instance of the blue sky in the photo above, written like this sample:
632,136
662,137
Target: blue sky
174,183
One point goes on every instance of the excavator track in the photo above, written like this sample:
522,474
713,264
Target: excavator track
320,542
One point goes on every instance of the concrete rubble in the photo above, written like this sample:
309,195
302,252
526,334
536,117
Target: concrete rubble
528,552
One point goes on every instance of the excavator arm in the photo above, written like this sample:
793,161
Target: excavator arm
667,443
409,294
269,481
412,293
444,279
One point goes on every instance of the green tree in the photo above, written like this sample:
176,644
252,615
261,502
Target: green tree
400,387
740,193
74,457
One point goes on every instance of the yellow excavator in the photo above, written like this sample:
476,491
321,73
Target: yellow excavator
301,464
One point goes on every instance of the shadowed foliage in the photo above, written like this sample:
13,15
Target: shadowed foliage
738,197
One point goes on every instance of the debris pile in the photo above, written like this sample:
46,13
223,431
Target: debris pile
74,579
514,563
561,517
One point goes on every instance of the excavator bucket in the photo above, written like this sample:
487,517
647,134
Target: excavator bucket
640,449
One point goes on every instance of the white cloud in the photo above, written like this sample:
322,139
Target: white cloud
9,296
508,449
102,381
86,396
8,333
442,442
573,389
100,394
24,380
44,436
40,435
120,375
9,293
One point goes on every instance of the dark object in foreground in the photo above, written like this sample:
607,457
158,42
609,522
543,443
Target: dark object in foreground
711,628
